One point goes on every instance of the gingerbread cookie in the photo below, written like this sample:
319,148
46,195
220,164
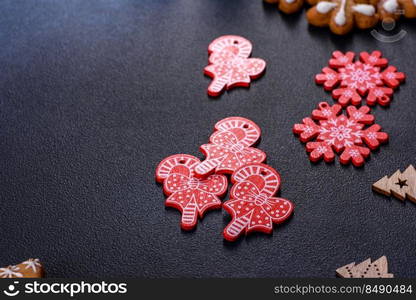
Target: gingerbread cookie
393,9
31,268
289,6
343,15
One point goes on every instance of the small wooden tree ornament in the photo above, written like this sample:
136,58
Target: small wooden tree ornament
399,185
366,269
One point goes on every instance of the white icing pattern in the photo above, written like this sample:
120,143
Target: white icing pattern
10,272
32,264
365,9
341,18
324,7
391,5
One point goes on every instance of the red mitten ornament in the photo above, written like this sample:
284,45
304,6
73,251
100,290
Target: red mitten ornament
349,80
190,195
229,147
230,65
340,133
252,205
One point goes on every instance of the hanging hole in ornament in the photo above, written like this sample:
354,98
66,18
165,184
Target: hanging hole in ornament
384,99
264,173
235,42
245,126
182,161
323,105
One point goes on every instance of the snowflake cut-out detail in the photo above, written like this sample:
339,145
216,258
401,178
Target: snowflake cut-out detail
340,133
351,80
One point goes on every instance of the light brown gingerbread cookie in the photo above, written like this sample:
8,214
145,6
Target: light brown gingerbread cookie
343,15
31,268
394,9
289,6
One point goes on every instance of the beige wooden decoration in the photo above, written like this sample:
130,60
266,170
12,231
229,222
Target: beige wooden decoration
366,269
31,268
400,185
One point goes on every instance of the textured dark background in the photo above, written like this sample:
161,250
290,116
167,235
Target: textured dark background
95,93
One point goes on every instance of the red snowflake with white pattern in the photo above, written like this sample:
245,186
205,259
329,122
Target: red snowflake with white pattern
230,147
351,80
230,64
340,133
190,195
252,205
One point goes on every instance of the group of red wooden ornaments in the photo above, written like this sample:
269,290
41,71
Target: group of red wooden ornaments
193,187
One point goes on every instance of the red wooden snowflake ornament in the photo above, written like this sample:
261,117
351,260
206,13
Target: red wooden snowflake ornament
229,147
230,65
339,133
190,195
355,79
252,205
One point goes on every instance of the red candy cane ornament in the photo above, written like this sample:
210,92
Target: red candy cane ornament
229,147
252,205
190,195
230,65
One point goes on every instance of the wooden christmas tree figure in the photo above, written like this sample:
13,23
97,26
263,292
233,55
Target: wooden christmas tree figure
366,269
400,185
